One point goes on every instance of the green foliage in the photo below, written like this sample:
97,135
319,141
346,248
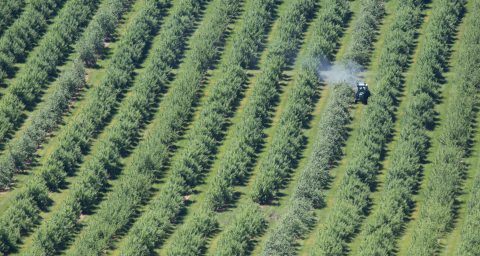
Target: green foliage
364,31
352,198
460,117
57,230
101,101
76,135
22,149
248,134
9,11
23,213
24,33
132,115
237,237
444,183
308,195
190,238
42,65
279,57
379,235
204,135
148,160
288,139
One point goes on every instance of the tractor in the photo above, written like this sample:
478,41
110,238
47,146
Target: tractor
362,93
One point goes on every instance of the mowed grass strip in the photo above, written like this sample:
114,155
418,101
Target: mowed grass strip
351,200
248,132
443,185
24,211
147,162
19,39
412,146
20,151
40,68
332,133
132,115
207,130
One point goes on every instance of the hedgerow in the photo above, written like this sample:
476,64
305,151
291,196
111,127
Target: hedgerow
364,31
288,139
378,236
352,199
147,161
102,101
20,151
470,236
131,118
437,212
9,11
42,65
326,32
461,116
308,193
278,57
205,135
237,237
24,33
76,136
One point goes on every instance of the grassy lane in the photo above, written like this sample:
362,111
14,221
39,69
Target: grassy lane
221,90
118,211
386,163
203,195
21,37
287,215
92,80
441,110
253,73
464,48
276,208
58,197
52,51
451,243
31,142
77,135
357,114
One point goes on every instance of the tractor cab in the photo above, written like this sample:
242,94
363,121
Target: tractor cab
362,93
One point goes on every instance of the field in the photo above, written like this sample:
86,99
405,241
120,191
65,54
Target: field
235,127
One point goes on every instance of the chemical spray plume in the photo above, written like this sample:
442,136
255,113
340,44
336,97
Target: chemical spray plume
343,72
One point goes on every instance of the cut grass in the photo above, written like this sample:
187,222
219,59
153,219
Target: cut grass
449,243
357,114
404,101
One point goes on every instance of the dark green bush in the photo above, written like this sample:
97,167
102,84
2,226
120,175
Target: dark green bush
148,159
308,193
9,11
204,135
131,117
42,65
24,33
460,117
411,149
76,135
247,224
278,57
288,138
375,128
364,31
22,149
